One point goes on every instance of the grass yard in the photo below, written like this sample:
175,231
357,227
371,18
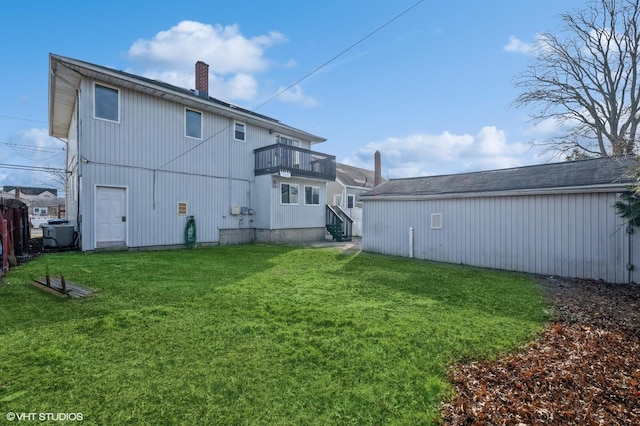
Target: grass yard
253,334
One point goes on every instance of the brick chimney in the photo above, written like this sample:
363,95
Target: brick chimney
202,79
377,170
16,193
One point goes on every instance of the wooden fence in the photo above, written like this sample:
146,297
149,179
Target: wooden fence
15,231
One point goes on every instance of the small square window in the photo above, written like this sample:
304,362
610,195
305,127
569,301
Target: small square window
106,103
239,133
193,124
312,195
289,193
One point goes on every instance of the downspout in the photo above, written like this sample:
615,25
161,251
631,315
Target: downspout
79,162
630,266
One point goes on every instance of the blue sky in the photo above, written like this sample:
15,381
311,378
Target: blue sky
431,91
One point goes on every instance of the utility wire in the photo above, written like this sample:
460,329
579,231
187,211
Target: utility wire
32,168
23,119
404,12
339,54
22,147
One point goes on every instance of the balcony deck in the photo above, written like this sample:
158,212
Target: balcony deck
297,161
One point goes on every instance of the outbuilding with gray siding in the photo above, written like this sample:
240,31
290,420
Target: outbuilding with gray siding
550,219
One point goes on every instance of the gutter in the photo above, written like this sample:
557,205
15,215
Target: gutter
616,187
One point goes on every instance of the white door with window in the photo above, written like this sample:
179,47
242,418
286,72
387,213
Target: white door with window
111,216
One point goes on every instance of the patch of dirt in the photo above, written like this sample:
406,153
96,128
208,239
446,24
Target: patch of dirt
584,369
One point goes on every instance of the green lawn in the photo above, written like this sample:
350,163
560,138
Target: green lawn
253,334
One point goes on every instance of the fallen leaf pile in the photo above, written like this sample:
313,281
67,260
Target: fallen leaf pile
584,369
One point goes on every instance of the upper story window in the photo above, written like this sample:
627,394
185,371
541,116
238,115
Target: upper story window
289,193
312,195
106,103
287,141
193,124
239,131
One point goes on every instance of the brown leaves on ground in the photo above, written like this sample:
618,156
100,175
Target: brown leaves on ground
584,369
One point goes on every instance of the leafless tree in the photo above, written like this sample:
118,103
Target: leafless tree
585,80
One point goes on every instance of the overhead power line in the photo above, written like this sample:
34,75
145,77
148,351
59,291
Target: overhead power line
22,147
324,64
30,168
22,119
404,12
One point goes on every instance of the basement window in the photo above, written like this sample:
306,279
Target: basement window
182,208
436,221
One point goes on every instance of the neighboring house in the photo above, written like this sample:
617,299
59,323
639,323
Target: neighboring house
550,219
43,203
351,182
143,156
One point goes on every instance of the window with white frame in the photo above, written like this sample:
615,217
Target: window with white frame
192,124
106,103
289,192
351,201
312,195
287,141
436,221
239,131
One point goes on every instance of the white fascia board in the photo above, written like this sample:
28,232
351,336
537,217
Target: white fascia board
131,82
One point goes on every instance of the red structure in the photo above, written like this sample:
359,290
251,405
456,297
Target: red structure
15,231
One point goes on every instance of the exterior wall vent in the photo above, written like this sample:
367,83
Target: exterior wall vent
182,208
436,221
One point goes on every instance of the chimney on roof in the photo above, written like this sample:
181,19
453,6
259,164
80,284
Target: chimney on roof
16,193
202,79
377,170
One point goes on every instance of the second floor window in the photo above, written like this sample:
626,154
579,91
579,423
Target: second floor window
193,124
106,104
239,133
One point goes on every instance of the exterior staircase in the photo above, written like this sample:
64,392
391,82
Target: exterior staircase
339,223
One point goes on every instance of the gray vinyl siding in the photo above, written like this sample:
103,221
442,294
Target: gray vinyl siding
569,235
297,215
148,154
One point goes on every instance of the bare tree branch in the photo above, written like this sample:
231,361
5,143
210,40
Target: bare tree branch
585,80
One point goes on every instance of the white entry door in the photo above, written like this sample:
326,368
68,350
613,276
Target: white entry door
111,216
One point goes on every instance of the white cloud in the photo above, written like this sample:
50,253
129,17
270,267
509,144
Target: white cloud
296,96
515,45
423,155
233,58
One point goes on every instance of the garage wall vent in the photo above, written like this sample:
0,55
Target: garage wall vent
436,221
182,208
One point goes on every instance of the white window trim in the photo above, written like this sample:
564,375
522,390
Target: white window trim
94,102
353,203
244,125
436,220
290,185
294,142
185,123
305,195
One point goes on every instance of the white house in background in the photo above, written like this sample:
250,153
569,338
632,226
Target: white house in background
351,182
143,156
550,219
43,203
